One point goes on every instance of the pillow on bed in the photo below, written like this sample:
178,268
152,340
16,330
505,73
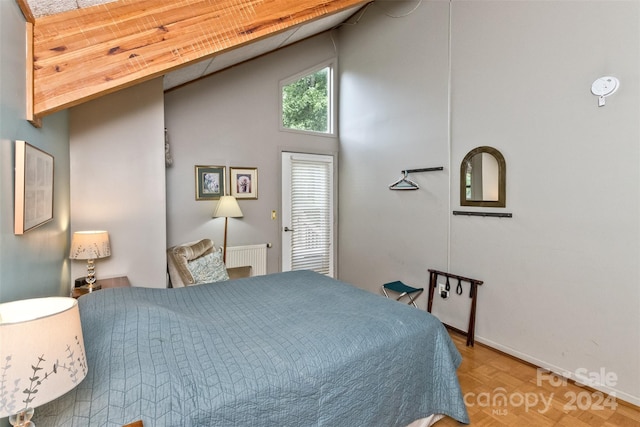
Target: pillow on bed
208,268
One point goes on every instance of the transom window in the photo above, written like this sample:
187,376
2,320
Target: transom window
306,102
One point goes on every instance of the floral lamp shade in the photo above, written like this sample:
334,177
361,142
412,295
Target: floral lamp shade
90,245
42,353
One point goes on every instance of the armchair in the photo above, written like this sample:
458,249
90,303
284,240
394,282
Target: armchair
179,256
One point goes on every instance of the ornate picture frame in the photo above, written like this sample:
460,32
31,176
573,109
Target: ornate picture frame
243,183
210,182
33,203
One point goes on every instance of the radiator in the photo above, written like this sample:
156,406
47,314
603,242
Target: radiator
253,255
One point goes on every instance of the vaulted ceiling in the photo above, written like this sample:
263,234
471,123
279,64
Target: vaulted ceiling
82,49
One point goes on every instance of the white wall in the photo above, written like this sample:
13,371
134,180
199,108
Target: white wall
232,119
568,273
118,181
561,277
393,116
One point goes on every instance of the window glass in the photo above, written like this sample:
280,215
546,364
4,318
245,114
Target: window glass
307,102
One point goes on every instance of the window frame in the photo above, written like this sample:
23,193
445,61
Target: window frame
332,64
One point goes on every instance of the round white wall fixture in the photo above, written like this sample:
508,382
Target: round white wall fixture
603,87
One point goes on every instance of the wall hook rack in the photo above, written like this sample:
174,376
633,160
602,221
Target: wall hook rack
405,183
494,214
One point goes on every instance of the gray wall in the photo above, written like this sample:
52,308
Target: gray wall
232,119
34,264
561,277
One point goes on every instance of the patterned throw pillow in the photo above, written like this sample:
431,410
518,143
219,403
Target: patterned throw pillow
208,269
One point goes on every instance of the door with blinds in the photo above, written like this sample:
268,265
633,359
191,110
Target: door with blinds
307,213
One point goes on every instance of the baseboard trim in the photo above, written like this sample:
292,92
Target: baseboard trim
620,397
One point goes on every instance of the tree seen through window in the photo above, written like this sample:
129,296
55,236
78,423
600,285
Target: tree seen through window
305,103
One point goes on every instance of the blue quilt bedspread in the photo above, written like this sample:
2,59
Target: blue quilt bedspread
290,349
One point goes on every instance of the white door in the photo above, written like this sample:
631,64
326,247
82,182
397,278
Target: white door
307,213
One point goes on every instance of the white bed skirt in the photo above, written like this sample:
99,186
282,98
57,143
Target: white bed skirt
427,422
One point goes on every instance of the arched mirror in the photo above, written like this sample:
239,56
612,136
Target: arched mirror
483,178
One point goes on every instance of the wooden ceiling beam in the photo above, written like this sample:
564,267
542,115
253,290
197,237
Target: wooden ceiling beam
86,53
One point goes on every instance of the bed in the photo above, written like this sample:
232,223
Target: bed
286,349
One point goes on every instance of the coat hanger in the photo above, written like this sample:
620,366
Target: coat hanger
404,183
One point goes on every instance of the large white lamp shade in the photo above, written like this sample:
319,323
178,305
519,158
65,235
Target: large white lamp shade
41,354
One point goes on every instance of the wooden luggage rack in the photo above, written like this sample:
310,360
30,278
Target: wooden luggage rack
473,292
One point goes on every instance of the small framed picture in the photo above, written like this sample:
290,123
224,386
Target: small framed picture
244,182
210,182
33,188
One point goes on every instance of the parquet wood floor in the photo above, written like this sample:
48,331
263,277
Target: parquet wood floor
502,391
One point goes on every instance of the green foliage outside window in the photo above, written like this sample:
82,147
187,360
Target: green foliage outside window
305,103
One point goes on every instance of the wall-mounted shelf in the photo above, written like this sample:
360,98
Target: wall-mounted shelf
439,168
493,214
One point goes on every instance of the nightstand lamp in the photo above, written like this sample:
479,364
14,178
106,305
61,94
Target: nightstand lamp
42,354
90,245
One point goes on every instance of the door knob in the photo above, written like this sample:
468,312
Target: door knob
288,229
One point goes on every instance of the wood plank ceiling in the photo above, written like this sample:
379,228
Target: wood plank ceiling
81,54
